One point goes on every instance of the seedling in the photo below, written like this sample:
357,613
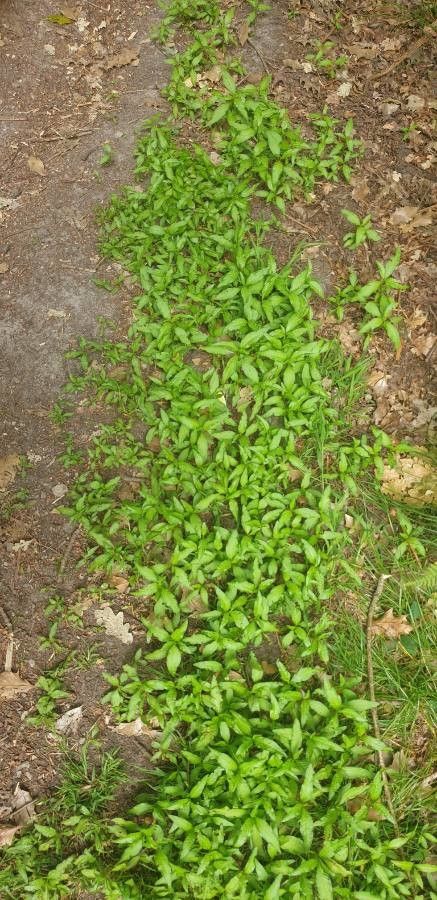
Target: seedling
323,58
363,230
107,156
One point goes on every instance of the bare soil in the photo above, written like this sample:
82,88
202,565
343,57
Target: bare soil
66,92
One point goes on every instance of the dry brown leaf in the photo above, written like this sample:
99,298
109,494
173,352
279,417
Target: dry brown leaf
119,583
136,728
415,103
114,624
243,33
424,344
70,12
7,834
213,75
23,806
8,469
11,684
36,165
361,189
418,317
391,626
388,109
69,722
361,51
126,57
412,479
403,214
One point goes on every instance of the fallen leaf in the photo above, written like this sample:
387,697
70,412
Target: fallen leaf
135,729
81,24
361,51
8,203
403,214
215,158
69,722
60,19
126,57
114,624
36,165
7,834
243,32
213,75
388,109
69,11
412,480
56,314
391,44
11,685
391,626
8,469
424,344
4,267
23,806
344,89
415,103
361,189
22,545
268,667
418,317
119,583
59,490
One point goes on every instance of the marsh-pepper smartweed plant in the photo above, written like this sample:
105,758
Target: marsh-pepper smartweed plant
240,467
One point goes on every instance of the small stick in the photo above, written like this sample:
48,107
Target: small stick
67,551
376,727
259,54
405,55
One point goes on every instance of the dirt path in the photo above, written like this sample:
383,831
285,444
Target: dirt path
65,94
69,90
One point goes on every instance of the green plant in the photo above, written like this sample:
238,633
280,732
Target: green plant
382,305
70,456
376,299
423,12
107,156
363,230
324,59
52,690
12,503
408,131
65,852
60,413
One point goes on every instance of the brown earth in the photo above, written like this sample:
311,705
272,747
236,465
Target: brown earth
66,92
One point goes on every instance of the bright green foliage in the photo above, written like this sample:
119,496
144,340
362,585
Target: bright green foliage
234,535
219,488
325,60
376,298
364,230
68,844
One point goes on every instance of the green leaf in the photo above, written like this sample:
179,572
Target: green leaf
323,885
173,659
274,142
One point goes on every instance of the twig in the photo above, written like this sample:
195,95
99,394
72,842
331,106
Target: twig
370,676
259,54
67,551
411,50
